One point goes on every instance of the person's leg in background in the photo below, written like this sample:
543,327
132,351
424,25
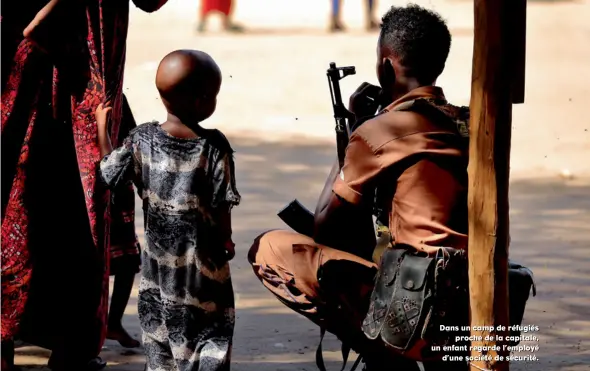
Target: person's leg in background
225,7
335,19
124,246
371,23
205,12
126,269
124,257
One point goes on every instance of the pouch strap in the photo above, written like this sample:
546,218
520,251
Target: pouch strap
534,286
319,358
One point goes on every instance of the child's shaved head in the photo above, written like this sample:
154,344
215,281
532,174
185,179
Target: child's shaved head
188,82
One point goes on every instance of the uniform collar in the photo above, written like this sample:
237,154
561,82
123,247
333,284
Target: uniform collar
424,92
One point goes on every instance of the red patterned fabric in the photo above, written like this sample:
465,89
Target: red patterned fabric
39,100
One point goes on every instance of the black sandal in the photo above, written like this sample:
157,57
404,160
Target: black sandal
95,364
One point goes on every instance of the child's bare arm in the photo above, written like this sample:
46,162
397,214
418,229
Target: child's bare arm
102,122
120,165
223,216
225,197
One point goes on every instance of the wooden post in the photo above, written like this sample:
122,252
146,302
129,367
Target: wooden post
497,81
517,47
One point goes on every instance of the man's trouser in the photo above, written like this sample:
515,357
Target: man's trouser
330,287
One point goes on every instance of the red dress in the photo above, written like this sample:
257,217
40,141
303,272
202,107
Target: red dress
55,225
222,6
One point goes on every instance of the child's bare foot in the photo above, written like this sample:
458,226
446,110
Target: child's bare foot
118,333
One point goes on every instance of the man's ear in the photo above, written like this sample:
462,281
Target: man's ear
387,79
388,72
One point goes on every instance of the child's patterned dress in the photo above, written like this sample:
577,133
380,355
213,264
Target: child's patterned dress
186,301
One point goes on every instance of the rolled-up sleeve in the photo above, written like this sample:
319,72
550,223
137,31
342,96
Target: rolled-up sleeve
361,167
118,168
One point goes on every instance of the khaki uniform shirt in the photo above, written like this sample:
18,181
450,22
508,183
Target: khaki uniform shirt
424,166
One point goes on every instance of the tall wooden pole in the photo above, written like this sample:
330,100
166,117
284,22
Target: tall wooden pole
497,82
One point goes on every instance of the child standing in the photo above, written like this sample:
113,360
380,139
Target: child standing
185,177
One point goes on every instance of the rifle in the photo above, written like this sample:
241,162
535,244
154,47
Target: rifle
341,114
295,215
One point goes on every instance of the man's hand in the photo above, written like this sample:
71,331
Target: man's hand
365,100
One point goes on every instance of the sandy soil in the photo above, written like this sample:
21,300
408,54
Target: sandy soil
275,107
550,234
275,85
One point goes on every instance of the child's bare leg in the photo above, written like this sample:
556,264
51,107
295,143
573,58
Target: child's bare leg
121,293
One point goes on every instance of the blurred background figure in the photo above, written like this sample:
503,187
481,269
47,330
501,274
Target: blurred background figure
222,6
336,24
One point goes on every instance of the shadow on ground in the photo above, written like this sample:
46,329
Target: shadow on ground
550,234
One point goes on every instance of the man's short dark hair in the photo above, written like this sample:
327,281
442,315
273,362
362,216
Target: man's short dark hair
419,38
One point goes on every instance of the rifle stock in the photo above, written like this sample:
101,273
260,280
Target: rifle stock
298,217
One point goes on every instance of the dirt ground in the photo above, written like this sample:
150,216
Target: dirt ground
274,106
